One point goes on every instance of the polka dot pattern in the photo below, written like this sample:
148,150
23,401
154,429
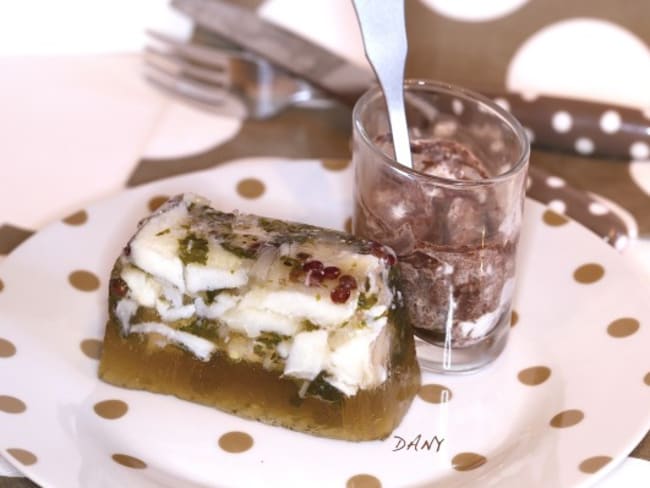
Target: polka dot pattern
363,481
77,218
475,10
91,348
623,327
557,206
514,318
594,464
84,280
584,145
23,456
589,273
467,461
9,404
503,103
610,122
235,442
111,409
7,349
250,188
646,379
598,208
156,202
335,164
434,393
555,182
640,151
129,461
535,375
2,285
567,418
457,106
554,219
562,122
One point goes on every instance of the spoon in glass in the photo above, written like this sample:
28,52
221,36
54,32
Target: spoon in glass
384,39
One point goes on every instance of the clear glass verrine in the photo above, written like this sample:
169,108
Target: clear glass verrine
453,220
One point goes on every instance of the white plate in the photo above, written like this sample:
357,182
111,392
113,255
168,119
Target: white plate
633,473
563,325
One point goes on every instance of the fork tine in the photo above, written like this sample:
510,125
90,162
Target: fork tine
202,72
174,64
212,56
186,88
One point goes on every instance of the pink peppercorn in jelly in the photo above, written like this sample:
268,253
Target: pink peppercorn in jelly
331,272
348,281
117,287
340,294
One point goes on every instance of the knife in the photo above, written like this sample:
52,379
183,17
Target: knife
324,69
346,82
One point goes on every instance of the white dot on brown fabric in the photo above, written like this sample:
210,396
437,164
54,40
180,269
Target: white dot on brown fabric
562,121
610,121
557,206
639,151
555,182
598,208
584,145
503,103
457,106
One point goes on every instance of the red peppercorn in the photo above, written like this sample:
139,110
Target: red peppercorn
118,287
340,294
331,272
347,281
382,252
312,265
314,277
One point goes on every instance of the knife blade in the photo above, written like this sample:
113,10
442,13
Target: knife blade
324,69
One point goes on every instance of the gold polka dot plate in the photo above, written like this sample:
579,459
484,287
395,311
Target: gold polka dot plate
562,406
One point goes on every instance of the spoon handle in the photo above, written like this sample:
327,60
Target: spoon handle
383,30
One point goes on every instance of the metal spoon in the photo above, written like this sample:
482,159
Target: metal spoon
384,39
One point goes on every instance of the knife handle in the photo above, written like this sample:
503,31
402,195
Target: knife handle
586,128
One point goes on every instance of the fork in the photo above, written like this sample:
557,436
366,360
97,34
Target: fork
223,78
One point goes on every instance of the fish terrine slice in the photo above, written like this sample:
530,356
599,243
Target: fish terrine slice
286,323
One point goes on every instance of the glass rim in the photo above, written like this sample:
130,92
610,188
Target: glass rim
463,94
